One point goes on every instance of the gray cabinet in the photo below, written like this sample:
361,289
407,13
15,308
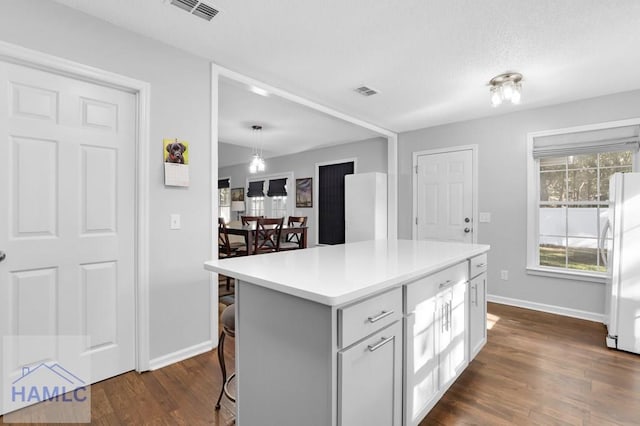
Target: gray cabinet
370,380
370,361
477,304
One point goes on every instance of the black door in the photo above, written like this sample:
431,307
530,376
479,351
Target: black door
331,202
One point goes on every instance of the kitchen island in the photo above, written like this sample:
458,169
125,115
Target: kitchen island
370,333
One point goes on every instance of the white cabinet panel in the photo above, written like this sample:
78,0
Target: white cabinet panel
421,353
452,345
435,338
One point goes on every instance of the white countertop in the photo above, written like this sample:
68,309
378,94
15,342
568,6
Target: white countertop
336,275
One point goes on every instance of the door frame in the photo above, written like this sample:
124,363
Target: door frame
35,59
316,189
474,185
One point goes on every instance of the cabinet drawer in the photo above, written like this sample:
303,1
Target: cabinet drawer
363,318
478,265
427,287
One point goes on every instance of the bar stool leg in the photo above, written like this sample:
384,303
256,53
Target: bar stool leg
222,367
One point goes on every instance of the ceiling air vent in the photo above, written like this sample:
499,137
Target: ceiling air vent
196,8
366,91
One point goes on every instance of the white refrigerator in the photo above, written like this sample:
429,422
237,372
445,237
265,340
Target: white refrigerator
365,207
622,257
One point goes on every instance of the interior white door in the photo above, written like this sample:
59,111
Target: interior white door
444,196
67,217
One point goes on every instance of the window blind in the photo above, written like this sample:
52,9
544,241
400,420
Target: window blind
614,139
277,188
223,183
256,189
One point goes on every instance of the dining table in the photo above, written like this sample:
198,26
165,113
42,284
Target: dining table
249,232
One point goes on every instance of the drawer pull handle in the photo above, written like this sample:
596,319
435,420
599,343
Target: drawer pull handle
383,314
446,283
380,344
481,265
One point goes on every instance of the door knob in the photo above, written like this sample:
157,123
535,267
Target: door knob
2,256
467,220
467,230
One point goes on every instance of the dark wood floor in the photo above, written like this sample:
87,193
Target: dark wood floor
543,369
536,369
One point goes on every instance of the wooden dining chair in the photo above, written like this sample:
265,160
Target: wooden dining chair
293,240
267,238
228,249
246,220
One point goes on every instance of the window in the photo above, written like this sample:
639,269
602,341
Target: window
279,206
278,194
574,194
256,206
255,193
274,203
570,186
224,200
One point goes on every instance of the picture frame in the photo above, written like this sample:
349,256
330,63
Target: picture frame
237,194
304,192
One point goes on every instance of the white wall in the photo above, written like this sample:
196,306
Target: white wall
371,155
180,107
503,190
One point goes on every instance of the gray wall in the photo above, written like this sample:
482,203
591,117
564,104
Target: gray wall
230,155
503,190
371,155
180,107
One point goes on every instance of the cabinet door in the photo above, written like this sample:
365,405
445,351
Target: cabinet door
370,380
453,348
421,366
477,314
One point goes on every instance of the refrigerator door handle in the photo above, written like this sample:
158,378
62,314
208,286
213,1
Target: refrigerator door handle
602,252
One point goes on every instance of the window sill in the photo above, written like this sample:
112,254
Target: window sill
593,277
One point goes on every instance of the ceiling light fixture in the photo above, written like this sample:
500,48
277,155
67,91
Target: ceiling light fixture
506,87
257,162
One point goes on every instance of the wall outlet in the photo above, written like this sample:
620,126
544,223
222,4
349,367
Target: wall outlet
175,221
504,274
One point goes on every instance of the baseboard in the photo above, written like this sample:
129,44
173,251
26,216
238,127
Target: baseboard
551,309
180,355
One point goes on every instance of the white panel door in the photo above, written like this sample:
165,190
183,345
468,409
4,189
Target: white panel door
67,175
445,196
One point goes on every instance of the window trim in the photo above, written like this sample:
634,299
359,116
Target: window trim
533,190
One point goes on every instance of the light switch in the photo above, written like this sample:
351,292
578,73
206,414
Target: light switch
175,221
485,217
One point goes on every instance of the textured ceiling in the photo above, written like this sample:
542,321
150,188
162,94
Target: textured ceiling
430,60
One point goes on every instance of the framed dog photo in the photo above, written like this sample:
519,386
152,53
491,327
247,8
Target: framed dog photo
176,152
304,194
176,162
